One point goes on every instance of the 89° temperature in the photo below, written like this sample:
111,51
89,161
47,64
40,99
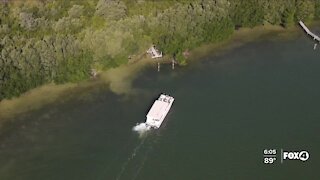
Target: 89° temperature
269,160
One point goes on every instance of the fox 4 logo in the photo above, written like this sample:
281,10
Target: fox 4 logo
302,155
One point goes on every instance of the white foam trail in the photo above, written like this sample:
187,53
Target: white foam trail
141,128
125,164
142,164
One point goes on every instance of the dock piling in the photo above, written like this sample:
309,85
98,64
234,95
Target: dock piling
172,64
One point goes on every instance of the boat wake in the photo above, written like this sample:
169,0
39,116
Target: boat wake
141,165
133,165
141,128
126,165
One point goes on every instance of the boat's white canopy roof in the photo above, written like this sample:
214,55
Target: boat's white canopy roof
157,109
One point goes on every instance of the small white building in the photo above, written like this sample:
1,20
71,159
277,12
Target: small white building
154,52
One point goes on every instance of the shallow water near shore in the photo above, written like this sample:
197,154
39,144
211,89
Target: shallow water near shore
119,79
228,108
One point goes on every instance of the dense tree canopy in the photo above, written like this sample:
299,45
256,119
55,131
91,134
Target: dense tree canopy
60,41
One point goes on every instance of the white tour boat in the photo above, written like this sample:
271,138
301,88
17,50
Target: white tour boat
159,110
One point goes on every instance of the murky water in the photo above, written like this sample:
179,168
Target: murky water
228,109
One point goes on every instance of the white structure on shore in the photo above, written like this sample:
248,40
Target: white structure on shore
315,37
158,111
154,52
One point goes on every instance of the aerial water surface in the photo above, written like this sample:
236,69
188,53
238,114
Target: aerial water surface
228,108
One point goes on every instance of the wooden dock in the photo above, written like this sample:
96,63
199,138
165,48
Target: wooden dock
315,37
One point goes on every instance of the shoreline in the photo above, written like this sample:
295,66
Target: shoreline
119,79
243,36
